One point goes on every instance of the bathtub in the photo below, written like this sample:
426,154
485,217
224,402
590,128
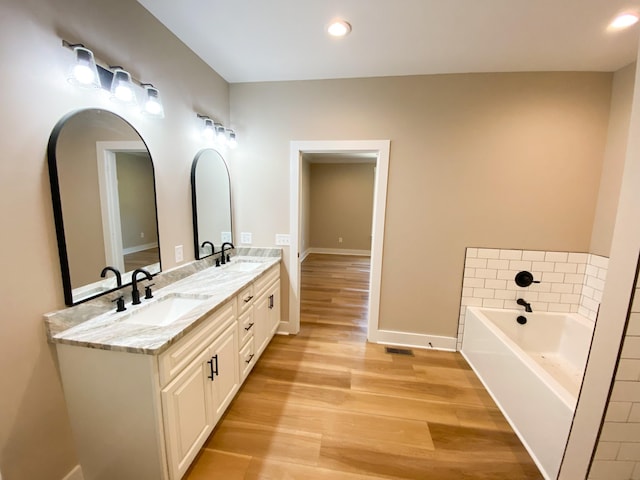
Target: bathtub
532,371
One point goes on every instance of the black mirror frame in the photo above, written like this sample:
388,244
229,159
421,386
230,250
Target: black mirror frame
57,206
194,203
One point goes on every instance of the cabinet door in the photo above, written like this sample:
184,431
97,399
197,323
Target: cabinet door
273,305
227,377
188,411
261,319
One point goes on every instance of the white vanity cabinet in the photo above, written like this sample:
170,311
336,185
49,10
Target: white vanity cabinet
195,400
145,416
138,416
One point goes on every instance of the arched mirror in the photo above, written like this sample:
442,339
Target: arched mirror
104,202
211,200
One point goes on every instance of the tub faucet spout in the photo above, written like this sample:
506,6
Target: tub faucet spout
525,304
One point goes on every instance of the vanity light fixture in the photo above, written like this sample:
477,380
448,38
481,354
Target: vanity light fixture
339,28
232,142
122,86
208,129
152,104
624,20
87,72
221,134
83,72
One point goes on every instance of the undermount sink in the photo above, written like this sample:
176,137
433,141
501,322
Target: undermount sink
165,310
242,266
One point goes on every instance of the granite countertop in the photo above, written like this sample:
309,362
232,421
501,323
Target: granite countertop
111,330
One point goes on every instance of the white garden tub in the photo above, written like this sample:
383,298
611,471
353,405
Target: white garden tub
532,371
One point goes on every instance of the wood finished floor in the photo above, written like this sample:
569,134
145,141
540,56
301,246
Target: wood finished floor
325,404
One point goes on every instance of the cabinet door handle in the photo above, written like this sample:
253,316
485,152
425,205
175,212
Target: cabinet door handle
248,299
249,327
270,301
215,359
250,358
212,374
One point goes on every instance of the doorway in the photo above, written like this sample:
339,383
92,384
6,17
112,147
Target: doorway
378,149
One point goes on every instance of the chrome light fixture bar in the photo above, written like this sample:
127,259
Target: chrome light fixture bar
87,73
217,133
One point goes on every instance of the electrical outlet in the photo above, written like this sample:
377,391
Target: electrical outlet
339,239
225,237
246,238
179,253
283,239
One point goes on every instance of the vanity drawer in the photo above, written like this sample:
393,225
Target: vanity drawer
178,356
245,298
246,325
247,359
260,285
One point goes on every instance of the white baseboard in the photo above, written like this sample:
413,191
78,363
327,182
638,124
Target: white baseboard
338,251
417,340
139,248
75,474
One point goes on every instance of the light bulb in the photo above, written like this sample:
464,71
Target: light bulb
122,86
153,105
84,72
623,21
339,28
232,141
208,130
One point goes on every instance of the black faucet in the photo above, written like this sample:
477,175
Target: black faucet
207,242
104,271
525,304
224,259
135,294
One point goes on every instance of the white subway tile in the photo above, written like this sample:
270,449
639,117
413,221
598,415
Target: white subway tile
469,272
635,306
631,348
588,292
589,303
620,432
511,254
561,288
634,415
618,411
543,266
492,303
628,369
595,283
602,273
585,312
488,253
582,268
533,255
566,267
549,297
483,293
497,284
591,271
476,263
577,288
636,472
553,277
472,302
633,327
472,252
629,451
541,287
578,257
497,264
506,294
625,392
473,282
467,291
512,305
507,275
542,307
611,470
575,279
519,265
607,450
556,256
570,298
574,308
598,261
485,273
530,296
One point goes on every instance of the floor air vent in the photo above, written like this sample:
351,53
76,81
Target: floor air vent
399,351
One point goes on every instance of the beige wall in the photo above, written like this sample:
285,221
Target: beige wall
341,205
35,437
485,160
611,178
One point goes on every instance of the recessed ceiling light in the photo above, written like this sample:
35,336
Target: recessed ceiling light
339,28
624,20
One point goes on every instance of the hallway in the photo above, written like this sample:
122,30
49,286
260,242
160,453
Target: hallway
325,404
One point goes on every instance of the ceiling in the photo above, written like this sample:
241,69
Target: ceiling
274,40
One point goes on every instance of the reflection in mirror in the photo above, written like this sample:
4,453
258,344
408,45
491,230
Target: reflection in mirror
211,201
103,192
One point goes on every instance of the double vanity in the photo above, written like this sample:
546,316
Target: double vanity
145,387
